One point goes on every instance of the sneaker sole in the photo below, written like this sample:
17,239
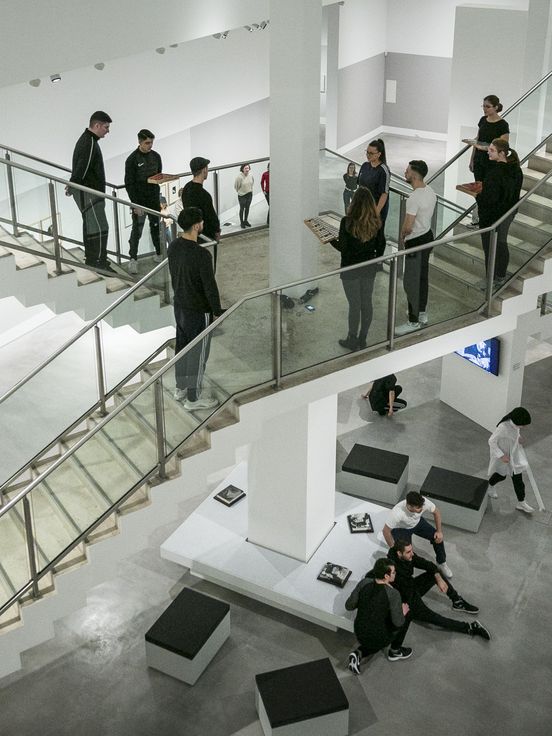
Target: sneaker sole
463,610
397,659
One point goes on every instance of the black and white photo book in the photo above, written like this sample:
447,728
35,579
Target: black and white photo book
360,523
229,495
334,574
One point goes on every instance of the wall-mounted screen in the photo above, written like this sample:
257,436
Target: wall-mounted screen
484,354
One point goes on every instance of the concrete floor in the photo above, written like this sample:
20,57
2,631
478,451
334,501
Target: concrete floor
92,679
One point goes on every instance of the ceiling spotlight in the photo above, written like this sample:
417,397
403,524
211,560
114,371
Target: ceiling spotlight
100,66
173,45
222,35
161,50
34,82
55,78
263,25
255,26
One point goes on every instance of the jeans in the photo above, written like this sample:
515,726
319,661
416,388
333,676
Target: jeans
189,370
416,276
358,291
95,229
347,197
425,530
517,480
138,222
245,204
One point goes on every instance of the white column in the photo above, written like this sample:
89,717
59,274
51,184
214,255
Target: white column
332,63
295,32
292,480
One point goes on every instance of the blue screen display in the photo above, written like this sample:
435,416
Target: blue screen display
484,354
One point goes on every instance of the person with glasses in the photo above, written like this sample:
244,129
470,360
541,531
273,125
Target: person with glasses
490,126
374,174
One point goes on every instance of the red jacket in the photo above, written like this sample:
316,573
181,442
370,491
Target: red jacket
265,182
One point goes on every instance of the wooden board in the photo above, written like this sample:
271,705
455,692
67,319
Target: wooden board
473,188
322,229
161,178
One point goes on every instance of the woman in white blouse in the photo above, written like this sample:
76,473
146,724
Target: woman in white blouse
508,456
244,187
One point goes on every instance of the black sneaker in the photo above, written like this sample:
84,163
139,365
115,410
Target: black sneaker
403,653
350,343
354,663
462,605
106,268
477,629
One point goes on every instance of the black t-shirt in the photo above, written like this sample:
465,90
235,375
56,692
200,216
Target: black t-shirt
192,277
353,250
487,132
377,180
379,394
501,188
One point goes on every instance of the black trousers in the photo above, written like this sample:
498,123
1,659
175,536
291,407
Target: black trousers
416,276
401,403
267,197
138,222
190,369
245,204
358,291
420,612
347,197
380,239
95,228
517,480
502,253
366,647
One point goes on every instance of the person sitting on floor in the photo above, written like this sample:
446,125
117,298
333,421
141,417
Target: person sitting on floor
383,396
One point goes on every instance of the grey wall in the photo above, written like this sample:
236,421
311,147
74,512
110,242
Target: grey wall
360,98
423,90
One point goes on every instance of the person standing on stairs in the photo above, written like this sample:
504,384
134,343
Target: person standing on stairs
139,167
88,171
416,230
374,174
195,195
196,303
508,456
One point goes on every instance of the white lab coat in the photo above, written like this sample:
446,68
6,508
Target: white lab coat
505,441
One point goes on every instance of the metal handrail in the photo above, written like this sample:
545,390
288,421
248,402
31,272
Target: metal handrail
507,112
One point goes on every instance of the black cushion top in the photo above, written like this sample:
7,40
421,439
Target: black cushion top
457,488
187,623
300,692
375,463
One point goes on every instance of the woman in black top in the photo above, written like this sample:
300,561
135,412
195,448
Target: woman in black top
351,185
500,192
357,242
490,126
374,174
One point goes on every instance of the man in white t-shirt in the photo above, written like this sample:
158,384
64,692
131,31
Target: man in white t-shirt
416,230
405,519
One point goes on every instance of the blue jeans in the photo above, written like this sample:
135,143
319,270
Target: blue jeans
425,530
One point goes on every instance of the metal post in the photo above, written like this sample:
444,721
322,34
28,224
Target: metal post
490,272
276,333
166,283
392,302
11,191
116,226
434,220
402,215
216,190
31,551
99,370
55,231
160,428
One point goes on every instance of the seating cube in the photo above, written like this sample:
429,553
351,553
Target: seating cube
379,475
186,637
462,499
304,700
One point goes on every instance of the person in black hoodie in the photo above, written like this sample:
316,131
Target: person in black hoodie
139,167
88,170
357,242
500,192
194,195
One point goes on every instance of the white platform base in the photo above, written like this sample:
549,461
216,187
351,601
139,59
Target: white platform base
375,490
332,724
468,519
182,668
213,544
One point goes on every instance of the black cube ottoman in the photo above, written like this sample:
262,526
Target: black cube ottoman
462,499
379,475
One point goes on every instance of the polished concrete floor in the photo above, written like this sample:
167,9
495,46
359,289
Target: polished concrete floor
92,678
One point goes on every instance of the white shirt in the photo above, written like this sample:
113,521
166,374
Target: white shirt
421,204
401,518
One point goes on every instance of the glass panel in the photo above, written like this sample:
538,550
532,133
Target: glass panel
5,211
229,208
32,200
14,565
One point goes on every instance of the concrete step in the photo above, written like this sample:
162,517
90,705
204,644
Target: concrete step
541,161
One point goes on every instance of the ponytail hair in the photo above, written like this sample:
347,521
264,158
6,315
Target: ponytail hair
503,146
379,145
519,416
495,102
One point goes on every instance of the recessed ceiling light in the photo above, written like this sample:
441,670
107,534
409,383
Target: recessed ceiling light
55,78
100,66
161,50
34,82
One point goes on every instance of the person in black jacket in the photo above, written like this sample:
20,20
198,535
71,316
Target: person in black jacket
194,195
500,192
384,396
88,170
139,167
196,302
412,589
381,619
357,242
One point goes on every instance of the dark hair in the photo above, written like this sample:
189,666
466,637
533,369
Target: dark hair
503,146
351,163
379,145
419,166
519,416
495,102
99,117
413,498
189,217
144,134
362,219
242,167
382,568
401,544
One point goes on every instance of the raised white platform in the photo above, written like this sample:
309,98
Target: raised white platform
212,543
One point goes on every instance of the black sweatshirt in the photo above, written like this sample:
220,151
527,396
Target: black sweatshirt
353,250
194,195
193,280
379,612
138,168
501,189
88,167
404,569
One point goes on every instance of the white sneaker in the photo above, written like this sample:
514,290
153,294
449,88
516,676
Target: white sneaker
157,258
407,327
524,506
423,318
201,403
133,266
180,393
491,493
445,569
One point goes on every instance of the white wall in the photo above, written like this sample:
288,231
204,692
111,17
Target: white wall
362,30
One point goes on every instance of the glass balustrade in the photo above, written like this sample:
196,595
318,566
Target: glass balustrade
14,564
228,203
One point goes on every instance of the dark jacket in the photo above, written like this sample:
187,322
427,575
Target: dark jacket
194,195
353,250
138,168
501,189
379,612
88,166
404,569
193,280
379,393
